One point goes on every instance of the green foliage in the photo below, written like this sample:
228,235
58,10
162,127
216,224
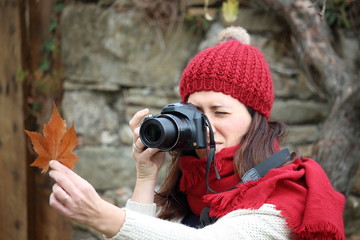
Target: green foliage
53,25
49,46
197,23
230,10
201,23
21,74
45,65
58,7
46,79
337,13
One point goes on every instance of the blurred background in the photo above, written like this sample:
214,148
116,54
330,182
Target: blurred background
100,61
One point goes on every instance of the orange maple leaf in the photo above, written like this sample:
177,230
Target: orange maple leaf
56,144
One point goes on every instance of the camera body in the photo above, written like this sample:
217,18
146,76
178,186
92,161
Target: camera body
179,126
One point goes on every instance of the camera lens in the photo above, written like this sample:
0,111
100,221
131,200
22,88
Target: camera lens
153,133
159,133
180,126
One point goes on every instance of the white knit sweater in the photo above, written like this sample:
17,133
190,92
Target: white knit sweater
263,223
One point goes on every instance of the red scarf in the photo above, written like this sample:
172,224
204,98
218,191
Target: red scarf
193,181
301,191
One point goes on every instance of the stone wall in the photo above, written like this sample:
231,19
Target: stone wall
115,64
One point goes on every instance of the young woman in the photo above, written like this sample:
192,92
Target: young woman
251,191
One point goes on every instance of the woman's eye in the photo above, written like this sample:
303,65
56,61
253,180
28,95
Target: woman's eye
221,113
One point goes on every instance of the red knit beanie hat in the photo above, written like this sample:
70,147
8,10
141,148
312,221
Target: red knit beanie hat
232,67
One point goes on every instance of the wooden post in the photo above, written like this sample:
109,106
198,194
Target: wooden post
44,223
13,207
24,193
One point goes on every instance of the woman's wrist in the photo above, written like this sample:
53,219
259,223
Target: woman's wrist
110,220
144,191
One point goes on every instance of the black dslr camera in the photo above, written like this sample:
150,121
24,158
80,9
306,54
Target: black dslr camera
180,126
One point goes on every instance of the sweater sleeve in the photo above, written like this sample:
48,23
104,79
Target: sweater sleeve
147,209
263,223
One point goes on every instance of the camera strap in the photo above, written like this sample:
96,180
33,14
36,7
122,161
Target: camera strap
274,161
260,170
211,155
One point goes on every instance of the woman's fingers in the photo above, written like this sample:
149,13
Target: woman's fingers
60,194
72,195
57,204
63,191
138,146
136,119
134,123
65,177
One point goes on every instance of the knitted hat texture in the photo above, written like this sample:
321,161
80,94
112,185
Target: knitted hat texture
232,67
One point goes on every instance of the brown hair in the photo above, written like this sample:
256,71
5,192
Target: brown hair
256,145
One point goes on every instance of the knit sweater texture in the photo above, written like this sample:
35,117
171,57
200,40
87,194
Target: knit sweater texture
261,224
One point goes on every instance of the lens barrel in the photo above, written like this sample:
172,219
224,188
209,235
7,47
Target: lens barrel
160,132
180,126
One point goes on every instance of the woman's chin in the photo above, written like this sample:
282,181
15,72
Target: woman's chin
202,152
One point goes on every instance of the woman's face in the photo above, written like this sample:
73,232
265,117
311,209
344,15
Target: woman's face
229,118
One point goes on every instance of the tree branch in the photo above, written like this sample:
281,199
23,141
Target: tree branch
338,149
312,36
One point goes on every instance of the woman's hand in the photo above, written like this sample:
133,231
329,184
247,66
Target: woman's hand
148,161
75,198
